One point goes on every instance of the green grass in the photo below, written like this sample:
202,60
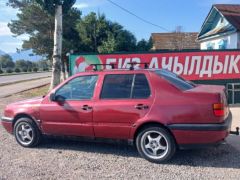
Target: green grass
41,91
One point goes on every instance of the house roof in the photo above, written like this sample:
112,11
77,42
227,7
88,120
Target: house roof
231,12
175,40
218,30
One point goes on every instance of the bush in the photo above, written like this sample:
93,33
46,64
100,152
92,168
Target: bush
35,69
24,69
1,71
45,69
17,70
29,70
9,71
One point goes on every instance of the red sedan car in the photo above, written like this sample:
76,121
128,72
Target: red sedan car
156,110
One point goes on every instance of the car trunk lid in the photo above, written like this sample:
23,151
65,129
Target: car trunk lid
218,98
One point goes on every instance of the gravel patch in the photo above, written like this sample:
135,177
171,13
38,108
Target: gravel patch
57,158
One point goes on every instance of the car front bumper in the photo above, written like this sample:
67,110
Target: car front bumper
7,123
201,134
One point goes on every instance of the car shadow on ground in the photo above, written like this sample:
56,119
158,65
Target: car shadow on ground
222,156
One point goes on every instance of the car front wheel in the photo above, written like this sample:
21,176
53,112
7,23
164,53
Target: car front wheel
155,144
26,132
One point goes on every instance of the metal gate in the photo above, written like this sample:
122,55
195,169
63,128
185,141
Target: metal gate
233,90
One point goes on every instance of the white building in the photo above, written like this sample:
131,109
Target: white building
221,28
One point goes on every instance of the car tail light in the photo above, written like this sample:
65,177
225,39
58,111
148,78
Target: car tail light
219,109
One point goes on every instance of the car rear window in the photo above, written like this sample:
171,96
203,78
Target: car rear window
174,79
141,87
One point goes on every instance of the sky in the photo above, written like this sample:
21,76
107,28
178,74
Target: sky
168,14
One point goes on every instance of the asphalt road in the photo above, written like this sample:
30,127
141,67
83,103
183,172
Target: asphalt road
12,89
22,77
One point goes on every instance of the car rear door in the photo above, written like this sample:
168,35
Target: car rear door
123,100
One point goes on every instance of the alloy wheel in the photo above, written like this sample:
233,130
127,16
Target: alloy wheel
24,133
154,144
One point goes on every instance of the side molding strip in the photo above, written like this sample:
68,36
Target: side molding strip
6,119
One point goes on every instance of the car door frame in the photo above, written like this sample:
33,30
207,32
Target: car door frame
98,99
48,101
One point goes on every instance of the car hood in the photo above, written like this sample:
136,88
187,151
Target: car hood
29,106
28,102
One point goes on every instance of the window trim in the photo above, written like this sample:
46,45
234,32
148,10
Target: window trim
132,88
150,89
75,78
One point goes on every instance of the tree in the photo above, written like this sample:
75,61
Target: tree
6,62
144,45
43,64
92,31
41,28
101,35
56,7
25,65
126,41
71,39
177,41
35,22
36,18
109,45
21,64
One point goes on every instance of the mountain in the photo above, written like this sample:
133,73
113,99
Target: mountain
26,55
2,52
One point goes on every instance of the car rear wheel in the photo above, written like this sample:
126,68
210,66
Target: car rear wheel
155,144
26,132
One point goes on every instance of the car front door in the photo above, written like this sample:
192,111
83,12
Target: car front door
124,99
72,111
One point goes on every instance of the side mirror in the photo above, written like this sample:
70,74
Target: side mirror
52,97
60,99
57,98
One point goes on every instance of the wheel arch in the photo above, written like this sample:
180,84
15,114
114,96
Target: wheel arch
151,124
22,115
35,128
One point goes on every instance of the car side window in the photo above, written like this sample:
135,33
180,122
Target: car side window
125,86
141,89
117,86
79,88
174,79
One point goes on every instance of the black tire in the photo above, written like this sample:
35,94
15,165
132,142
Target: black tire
165,146
34,135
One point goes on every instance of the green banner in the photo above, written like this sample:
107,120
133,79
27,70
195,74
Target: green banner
80,63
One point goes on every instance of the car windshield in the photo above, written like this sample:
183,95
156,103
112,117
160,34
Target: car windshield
174,79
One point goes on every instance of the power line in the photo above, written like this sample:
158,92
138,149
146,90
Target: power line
138,17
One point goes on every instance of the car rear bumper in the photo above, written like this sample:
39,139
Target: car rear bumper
7,123
201,133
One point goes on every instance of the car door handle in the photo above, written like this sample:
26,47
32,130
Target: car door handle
141,106
86,107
